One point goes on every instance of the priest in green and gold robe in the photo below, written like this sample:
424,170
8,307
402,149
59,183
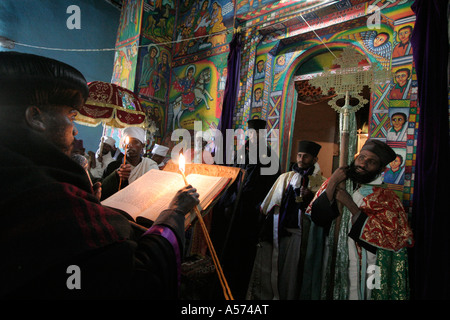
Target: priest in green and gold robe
372,261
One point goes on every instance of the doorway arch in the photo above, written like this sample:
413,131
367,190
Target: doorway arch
291,106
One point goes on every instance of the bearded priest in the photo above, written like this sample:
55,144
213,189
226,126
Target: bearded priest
282,247
371,263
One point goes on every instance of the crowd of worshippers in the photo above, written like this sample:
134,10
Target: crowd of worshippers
107,163
282,239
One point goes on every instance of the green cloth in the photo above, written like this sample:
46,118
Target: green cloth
339,282
313,263
394,284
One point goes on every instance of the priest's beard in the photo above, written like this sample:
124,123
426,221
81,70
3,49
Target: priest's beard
361,178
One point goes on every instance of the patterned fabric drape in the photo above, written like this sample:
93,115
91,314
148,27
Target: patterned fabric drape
431,220
338,281
231,88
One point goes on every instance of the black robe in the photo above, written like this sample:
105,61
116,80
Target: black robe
51,221
240,247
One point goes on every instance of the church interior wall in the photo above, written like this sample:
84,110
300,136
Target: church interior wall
204,48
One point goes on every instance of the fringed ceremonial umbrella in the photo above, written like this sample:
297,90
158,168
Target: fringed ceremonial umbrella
111,105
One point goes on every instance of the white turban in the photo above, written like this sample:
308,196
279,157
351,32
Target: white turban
160,150
134,132
110,141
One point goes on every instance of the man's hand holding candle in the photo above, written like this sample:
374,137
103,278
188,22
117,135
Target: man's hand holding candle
124,171
185,200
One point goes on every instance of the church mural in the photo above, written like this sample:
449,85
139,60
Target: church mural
257,101
395,99
127,44
158,21
196,93
246,6
124,70
395,171
401,129
401,84
154,126
402,43
130,21
398,124
260,70
221,90
250,9
203,25
198,50
378,43
153,74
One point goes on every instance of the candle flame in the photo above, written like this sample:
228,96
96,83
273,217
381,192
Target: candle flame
181,162
127,140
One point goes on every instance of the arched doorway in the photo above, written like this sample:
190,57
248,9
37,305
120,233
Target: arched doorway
314,119
317,121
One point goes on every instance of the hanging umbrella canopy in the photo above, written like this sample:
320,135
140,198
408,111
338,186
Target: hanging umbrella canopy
112,105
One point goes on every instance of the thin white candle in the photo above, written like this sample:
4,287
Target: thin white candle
181,166
127,140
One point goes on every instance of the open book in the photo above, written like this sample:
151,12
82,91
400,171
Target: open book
152,193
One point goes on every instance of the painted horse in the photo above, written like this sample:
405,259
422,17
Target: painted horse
200,92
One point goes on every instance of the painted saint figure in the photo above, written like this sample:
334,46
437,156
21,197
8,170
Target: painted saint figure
280,64
378,44
402,79
163,72
395,172
398,129
149,76
259,72
186,86
403,48
257,100
217,26
203,21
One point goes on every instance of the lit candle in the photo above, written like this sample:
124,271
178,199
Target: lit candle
127,140
181,166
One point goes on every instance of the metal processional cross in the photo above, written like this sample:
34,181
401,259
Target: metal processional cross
348,81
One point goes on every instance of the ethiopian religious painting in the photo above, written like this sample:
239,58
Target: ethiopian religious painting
193,88
259,72
203,25
127,43
154,123
196,93
402,42
158,21
395,171
124,69
152,81
130,21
